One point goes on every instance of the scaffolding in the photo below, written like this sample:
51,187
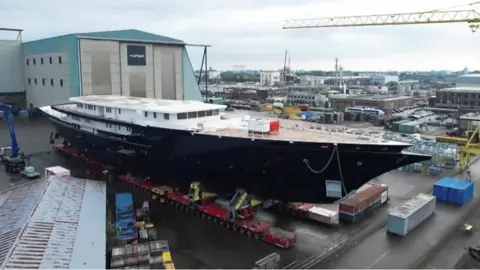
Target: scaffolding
445,156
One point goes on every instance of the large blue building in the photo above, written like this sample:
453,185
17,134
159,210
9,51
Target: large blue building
124,62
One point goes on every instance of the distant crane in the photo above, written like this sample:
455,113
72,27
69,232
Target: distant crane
472,17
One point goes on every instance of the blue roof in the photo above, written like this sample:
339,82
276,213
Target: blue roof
131,35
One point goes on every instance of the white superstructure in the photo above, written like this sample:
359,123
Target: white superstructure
198,118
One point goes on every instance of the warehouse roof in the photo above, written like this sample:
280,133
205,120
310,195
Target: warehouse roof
53,223
131,35
128,35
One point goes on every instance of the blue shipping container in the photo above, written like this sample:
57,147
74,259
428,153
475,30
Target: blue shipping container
442,188
125,217
460,192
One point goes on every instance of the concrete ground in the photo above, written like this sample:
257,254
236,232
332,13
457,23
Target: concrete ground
202,244
380,250
448,254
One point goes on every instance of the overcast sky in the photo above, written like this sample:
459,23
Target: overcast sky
249,33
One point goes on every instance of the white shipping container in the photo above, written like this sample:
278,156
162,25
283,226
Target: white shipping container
259,125
278,105
57,171
406,217
384,197
323,215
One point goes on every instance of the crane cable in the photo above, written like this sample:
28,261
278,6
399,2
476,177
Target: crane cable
453,7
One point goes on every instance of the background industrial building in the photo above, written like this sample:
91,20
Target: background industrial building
123,62
465,96
385,103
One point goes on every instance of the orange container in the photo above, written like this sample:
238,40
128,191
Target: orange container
275,126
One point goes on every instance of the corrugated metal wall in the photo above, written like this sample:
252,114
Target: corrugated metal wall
11,66
191,90
12,89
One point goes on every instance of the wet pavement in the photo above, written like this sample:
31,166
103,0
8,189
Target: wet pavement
202,244
448,254
381,250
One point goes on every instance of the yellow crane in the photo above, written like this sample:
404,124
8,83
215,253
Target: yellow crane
439,16
471,16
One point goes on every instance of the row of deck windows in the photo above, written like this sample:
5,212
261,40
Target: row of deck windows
198,114
166,116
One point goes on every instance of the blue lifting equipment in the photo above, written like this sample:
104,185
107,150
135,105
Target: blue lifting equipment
7,110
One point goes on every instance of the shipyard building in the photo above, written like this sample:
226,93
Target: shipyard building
124,62
385,103
464,97
12,88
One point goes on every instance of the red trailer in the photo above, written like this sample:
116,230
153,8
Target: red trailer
237,215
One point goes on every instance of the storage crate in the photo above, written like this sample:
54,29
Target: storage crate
460,192
442,187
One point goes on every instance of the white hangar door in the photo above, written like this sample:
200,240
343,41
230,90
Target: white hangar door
168,70
100,67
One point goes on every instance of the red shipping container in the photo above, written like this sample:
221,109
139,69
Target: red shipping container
275,126
362,200
304,107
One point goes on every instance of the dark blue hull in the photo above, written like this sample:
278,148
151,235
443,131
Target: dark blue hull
271,169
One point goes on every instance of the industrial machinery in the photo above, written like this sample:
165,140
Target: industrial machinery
438,16
469,150
12,158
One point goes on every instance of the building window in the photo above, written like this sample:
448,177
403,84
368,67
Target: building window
146,114
35,80
108,110
154,115
50,60
59,59
29,81
192,115
166,116
43,81
28,62
51,82
34,62
41,60
61,82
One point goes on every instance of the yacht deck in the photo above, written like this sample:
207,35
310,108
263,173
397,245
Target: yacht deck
313,133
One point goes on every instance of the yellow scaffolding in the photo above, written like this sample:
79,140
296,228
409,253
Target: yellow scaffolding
469,150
